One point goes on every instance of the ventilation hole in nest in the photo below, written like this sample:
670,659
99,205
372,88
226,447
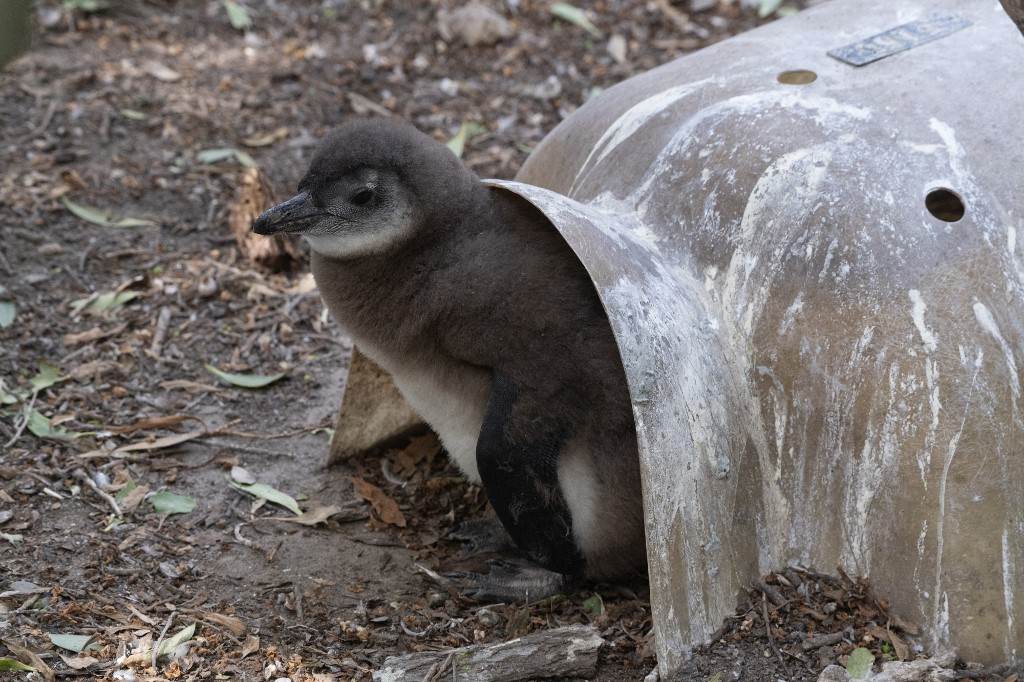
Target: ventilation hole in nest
945,204
797,77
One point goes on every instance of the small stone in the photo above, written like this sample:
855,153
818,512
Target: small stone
448,87
702,5
488,617
207,286
549,89
829,608
617,48
834,673
50,249
474,24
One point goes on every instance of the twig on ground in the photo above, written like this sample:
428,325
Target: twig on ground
85,478
163,320
160,639
768,633
566,652
26,415
812,643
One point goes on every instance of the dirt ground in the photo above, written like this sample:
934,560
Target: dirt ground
151,111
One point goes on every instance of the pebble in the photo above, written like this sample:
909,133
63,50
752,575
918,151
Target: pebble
474,24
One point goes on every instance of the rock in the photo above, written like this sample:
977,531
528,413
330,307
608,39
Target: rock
474,24
617,48
834,673
549,89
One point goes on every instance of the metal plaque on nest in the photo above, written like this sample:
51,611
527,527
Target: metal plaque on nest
899,39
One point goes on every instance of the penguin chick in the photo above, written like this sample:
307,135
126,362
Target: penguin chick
492,331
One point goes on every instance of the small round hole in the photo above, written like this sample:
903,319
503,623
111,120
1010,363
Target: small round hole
797,77
945,204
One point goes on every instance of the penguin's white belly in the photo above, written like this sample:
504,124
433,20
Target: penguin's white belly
453,402
451,398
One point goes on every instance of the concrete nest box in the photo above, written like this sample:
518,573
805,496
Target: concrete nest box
806,240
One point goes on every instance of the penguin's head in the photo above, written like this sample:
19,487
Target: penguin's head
373,186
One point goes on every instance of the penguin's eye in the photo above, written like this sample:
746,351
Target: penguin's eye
362,197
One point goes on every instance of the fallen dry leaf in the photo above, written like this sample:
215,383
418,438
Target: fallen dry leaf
161,72
251,646
235,625
133,498
266,139
154,423
386,508
94,334
145,445
26,656
79,662
190,386
318,514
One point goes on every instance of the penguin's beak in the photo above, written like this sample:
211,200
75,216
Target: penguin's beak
294,215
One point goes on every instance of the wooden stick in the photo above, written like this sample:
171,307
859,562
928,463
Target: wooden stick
566,652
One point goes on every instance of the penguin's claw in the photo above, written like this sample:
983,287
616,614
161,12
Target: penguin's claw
512,581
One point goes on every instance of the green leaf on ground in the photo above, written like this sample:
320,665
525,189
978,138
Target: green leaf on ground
108,300
859,663
11,665
178,638
7,313
574,15
264,491
467,131
104,218
76,643
238,15
47,376
85,6
768,7
165,502
209,156
244,380
41,427
594,605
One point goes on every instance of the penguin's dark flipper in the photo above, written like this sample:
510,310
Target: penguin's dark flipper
517,456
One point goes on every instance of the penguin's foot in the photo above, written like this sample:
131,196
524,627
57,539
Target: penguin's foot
512,580
483,536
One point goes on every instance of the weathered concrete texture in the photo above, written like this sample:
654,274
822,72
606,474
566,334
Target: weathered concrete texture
373,412
822,370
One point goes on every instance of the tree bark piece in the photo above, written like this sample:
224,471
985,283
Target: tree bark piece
567,652
373,412
254,197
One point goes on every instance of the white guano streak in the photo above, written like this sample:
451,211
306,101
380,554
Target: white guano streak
1009,580
984,317
632,120
928,337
